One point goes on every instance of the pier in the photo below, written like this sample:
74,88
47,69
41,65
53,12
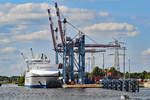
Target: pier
121,85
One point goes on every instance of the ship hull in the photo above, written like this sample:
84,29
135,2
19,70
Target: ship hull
41,81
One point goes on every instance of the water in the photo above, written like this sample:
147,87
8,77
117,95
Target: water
12,92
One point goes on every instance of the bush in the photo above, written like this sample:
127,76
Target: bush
21,81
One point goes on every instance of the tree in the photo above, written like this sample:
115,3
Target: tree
76,75
112,69
106,71
97,72
127,75
21,81
115,72
87,74
143,75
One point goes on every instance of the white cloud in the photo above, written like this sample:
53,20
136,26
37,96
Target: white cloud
82,17
39,35
132,34
4,41
146,52
1,14
18,13
111,29
104,14
42,35
8,49
6,7
18,29
78,14
24,21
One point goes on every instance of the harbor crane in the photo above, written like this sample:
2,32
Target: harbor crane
116,54
69,46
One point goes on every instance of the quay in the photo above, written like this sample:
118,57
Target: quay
82,86
119,85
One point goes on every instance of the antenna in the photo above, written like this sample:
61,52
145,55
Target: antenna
23,56
32,53
103,62
27,62
129,66
92,61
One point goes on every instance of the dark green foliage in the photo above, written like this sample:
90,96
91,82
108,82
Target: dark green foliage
21,81
5,79
143,75
115,72
87,75
97,72
76,76
112,69
14,78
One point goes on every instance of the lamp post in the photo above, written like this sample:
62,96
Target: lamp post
129,66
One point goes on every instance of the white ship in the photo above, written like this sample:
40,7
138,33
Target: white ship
40,73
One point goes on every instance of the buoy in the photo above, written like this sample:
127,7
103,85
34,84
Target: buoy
124,97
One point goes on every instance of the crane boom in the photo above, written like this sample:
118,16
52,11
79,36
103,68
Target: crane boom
101,45
52,30
59,23
86,50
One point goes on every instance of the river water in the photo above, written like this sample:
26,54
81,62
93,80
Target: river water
12,92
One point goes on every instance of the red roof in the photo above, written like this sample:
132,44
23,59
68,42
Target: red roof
110,73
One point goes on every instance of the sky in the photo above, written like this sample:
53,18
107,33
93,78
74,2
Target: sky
24,24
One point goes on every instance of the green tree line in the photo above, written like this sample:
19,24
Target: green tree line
13,79
6,79
100,72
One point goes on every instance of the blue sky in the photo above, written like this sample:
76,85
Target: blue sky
24,24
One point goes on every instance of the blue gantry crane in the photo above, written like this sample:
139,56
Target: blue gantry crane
71,46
